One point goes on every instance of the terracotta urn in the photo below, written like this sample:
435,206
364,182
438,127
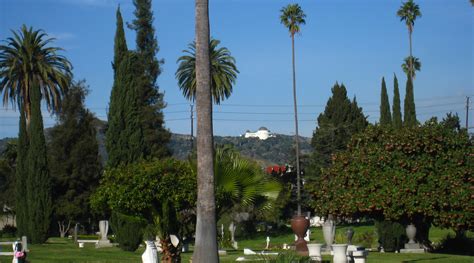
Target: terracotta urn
300,224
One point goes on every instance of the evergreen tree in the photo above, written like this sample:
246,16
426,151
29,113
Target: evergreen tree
397,112
409,113
21,206
74,159
120,43
339,121
124,141
38,184
385,115
151,103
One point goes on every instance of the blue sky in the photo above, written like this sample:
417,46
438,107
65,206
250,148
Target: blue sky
349,41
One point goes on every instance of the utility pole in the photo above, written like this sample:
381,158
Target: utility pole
467,112
192,127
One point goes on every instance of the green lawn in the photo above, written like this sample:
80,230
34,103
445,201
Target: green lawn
63,250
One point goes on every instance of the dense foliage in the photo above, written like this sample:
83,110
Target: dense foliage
418,174
391,235
340,120
150,99
73,159
7,175
128,230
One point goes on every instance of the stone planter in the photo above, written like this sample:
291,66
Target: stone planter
411,233
329,231
340,251
315,251
299,225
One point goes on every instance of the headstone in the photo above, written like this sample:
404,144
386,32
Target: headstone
248,251
103,230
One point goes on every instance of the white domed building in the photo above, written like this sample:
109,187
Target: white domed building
263,133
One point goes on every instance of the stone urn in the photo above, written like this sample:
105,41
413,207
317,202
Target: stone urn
315,251
151,253
349,235
329,231
300,224
103,229
411,233
340,251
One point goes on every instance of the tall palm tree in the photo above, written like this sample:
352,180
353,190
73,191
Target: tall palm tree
27,62
205,248
223,72
411,61
292,17
408,12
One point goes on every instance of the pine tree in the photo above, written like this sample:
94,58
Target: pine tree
397,113
409,112
74,158
21,206
385,115
38,185
151,101
339,121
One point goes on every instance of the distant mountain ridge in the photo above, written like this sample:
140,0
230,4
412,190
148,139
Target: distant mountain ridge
278,150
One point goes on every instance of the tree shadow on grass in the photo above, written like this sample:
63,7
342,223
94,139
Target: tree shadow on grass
423,259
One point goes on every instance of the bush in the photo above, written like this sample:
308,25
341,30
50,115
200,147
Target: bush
128,230
8,231
391,235
458,245
365,239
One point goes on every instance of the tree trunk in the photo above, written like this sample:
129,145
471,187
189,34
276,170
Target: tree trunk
63,229
297,148
205,248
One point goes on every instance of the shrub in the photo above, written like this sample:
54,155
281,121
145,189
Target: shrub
128,230
365,239
8,231
458,245
391,235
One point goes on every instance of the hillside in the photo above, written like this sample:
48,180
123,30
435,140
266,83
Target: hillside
276,150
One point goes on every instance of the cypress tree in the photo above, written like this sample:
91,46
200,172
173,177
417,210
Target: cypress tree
397,113
385,115
114,141
38,180
151,101
74,158
120,43
21,206
409,113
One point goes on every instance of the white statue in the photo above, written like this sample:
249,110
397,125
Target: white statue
268,243
151,253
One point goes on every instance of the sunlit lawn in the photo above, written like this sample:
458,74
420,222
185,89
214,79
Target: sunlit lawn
64,250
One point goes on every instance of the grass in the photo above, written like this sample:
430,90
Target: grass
64,250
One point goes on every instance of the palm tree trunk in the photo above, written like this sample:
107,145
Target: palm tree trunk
205,249
298,194
410,72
